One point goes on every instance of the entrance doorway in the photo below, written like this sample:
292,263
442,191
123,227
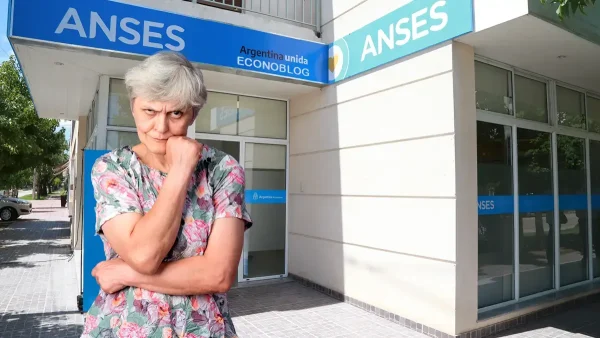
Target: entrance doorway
264,253
255,132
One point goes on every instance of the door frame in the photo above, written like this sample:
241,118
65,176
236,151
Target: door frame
243,140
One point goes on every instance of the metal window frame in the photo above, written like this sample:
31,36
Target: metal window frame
554,130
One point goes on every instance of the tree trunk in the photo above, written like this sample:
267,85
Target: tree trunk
35,189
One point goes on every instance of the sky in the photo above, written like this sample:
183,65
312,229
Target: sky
6,51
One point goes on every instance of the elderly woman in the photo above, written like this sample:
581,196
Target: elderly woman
171,214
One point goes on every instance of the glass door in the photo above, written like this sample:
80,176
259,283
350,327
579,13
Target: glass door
265,244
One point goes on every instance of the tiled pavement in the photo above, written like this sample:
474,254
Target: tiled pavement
38,280
39,285
292,310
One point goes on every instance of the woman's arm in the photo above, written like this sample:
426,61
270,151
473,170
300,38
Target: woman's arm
214,272
144,241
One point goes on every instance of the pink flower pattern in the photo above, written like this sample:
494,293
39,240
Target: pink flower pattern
123,184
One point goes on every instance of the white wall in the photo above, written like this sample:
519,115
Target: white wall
248,19
492,13
77,219
374,181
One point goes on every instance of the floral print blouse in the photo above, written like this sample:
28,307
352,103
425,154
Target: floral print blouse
123,184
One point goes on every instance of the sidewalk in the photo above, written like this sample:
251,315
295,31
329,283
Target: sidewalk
37,275
39,286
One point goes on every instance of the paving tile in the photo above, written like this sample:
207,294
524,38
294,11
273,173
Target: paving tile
38,275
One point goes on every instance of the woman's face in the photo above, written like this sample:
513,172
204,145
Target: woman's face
157,121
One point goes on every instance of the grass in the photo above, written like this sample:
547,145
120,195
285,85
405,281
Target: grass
30,198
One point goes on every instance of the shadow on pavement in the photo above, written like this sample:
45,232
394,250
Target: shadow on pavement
21,241
54,324
584,320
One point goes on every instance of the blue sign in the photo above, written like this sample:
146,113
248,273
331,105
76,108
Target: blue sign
413,27
93,248
113,26
499,205
265,196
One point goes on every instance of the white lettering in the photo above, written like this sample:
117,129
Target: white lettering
369,48
96,20
135,34
387,39
438,16
416,24
149,34
76,25
181,43
128,31
272,66
413,27
486,205
402,31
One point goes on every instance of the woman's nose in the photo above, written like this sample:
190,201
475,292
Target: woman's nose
161,123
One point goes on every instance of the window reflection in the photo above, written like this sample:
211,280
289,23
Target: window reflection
495,190
572,187
595,185
536,212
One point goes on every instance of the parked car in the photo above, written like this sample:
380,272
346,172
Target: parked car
12,208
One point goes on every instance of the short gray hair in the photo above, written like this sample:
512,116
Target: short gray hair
167,76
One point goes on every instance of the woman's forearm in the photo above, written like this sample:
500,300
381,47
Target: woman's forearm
185,277
154,234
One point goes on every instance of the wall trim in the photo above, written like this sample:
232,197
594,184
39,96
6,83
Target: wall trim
487,331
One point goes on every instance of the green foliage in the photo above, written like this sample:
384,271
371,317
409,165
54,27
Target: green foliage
26,141
568,7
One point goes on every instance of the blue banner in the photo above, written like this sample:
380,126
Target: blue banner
93,248
265,196
411,28
112,26
499,205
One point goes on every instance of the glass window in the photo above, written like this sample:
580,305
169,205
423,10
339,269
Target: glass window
496,209
219,115
119,108
264,243
531,99
572,188
536,208
571,107
118,139
263,117
595,185
228,114
493,88
593,113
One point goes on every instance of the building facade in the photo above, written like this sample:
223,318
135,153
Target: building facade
412,157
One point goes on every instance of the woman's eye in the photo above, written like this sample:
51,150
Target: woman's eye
149,111
176,114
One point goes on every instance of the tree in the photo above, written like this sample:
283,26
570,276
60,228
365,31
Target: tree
568,7
26,141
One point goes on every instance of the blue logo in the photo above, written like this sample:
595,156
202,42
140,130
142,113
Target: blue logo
338,60
134,30
413,27
265,196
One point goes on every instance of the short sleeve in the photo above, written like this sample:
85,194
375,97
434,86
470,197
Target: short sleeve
113,191
228,196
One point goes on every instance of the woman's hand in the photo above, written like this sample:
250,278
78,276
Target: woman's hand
183,153
110,275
